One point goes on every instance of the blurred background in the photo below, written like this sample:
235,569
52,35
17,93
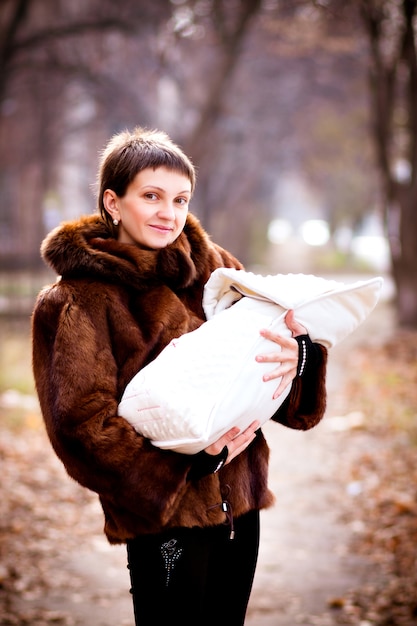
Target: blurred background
301,117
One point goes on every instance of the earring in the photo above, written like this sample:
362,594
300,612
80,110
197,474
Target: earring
115,222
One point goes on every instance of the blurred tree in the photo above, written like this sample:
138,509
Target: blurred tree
332,123
338,167
241,84
54,81
225,26
267,113
30,25
391,28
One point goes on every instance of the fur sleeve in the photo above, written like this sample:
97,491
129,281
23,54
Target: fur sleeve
76,377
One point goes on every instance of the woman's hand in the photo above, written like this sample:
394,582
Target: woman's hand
286,357
235,441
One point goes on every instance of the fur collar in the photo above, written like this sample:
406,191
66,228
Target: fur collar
85,249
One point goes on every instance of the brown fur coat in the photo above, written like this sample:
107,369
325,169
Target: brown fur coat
114,309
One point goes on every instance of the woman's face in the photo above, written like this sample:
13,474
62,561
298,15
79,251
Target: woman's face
153,211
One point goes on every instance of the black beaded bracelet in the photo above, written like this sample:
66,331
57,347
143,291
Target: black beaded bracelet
205,464
304,343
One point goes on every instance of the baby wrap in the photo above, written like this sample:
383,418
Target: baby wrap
208,380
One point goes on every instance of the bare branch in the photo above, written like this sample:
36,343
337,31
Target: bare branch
76,28
17,18
232,43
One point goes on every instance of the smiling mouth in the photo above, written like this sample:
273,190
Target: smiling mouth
164,229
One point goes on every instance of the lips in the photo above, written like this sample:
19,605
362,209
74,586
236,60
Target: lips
162,229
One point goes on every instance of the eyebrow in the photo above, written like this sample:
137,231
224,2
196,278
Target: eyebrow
164,190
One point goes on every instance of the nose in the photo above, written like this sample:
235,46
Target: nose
168,210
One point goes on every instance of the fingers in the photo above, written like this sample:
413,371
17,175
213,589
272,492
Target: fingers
235,440
284,375
295,327
217,446
281,340
288,353
286,358
242,441
285,381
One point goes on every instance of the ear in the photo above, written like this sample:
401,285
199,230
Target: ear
110,203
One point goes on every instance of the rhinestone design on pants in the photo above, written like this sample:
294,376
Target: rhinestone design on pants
171,552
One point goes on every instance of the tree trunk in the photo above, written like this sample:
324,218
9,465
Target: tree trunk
393,86
8,32
202,143
403,245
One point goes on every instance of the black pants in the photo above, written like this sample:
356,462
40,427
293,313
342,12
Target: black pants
194,576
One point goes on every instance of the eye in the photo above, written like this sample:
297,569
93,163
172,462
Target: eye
151,196
182,201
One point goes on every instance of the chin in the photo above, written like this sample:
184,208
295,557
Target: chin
157,245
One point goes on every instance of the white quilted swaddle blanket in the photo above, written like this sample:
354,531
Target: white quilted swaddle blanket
329,309
207,381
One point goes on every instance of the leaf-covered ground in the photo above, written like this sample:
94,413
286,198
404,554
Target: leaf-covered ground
43,515
383,481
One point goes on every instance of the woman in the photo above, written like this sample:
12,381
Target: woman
131,279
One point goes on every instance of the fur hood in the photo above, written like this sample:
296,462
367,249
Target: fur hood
113,309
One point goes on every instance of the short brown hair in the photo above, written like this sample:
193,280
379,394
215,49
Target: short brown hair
128,153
